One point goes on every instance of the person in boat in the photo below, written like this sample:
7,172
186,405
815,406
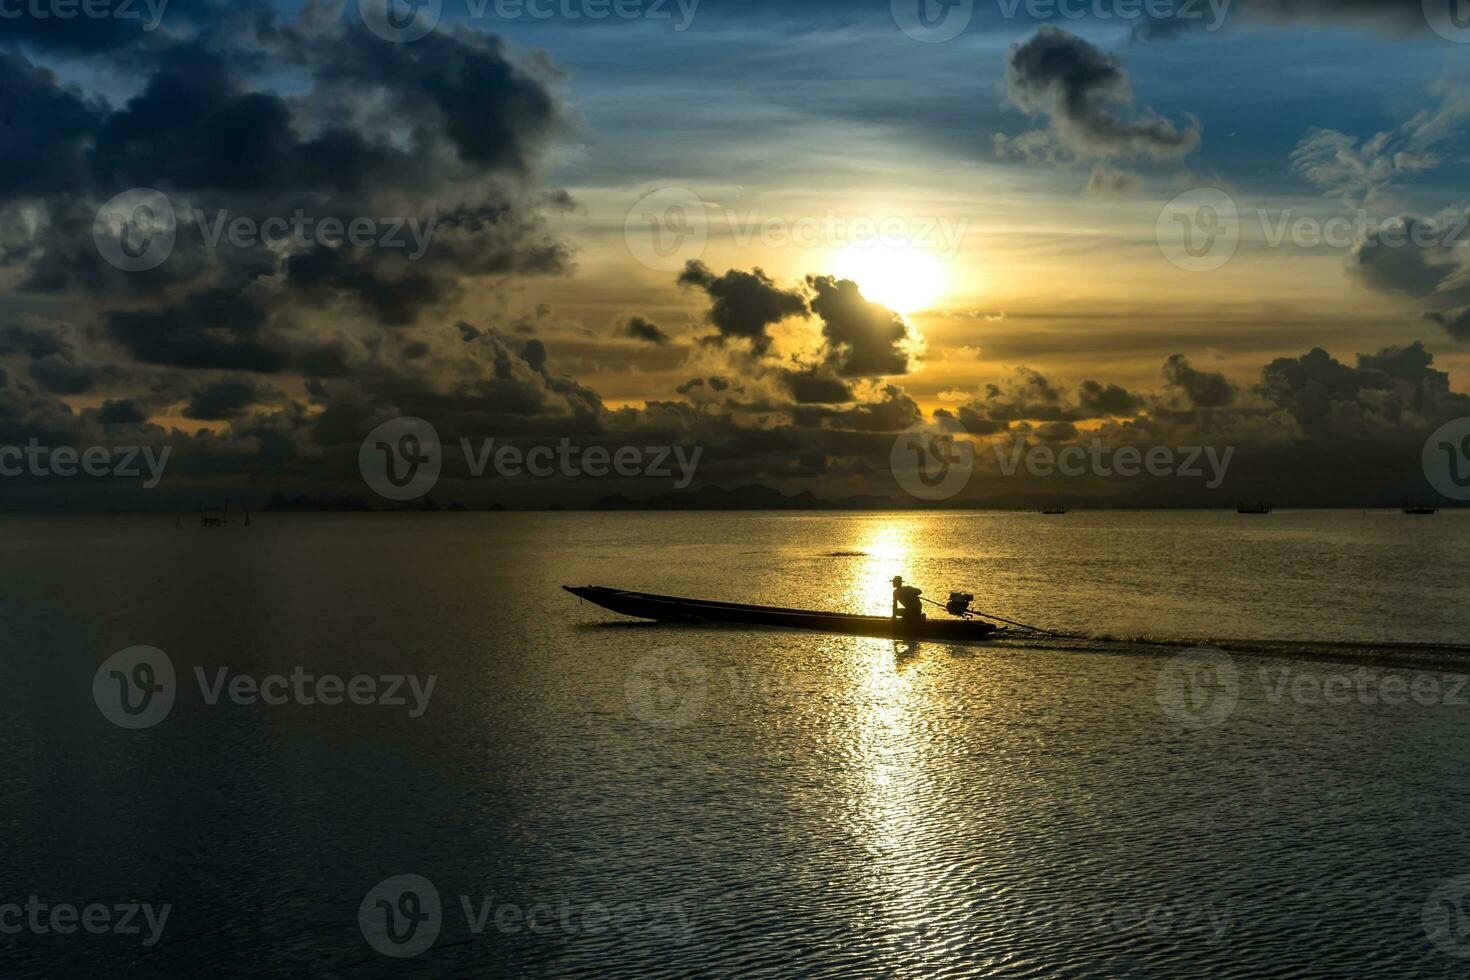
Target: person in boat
907,597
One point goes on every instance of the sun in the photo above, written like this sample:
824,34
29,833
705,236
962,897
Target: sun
905,279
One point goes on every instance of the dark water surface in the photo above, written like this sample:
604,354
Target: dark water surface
670,801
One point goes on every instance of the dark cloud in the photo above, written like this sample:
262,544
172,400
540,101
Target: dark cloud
894,412
131,29
1456,322
645,330
46,130
1098,400
219,328
225,399
1192,388
816,385
745,304
443,134
387,287
978,424
33,341
862,338
121,412
1412,256
1395,388
59,374
1030,396
1084,93
494,114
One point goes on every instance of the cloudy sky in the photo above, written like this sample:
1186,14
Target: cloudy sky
782,233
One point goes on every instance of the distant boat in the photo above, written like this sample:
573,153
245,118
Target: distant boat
220,516
663,608
1054,509
1420,509
1259,507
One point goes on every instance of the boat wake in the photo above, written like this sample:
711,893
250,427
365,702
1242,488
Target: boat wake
1437,656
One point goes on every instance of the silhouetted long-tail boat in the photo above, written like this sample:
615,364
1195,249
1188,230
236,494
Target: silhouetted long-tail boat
664,608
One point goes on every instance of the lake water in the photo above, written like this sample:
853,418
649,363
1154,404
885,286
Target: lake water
579,798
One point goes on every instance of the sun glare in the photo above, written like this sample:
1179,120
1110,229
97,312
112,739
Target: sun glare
903,278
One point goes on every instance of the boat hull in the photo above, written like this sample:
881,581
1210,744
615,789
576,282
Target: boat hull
662,608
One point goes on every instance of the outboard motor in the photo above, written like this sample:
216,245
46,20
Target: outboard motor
959,604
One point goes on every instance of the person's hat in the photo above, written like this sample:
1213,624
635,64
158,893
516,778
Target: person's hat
897,579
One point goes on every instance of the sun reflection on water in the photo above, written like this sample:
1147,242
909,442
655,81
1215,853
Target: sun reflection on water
889,765
887,542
